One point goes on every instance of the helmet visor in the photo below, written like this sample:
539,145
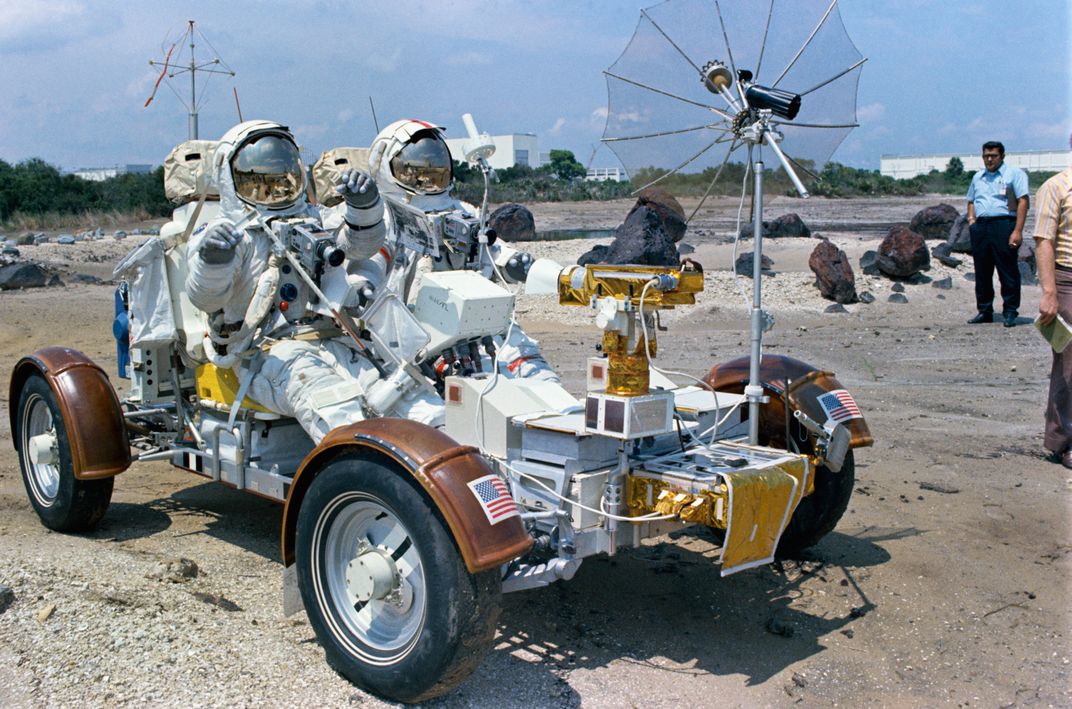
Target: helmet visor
423,165
268,172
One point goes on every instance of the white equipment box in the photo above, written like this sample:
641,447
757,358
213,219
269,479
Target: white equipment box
628,417
456,306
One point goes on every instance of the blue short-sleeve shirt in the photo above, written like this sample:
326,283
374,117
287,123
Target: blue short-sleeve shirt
995,193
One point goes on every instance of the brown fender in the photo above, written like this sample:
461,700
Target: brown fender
89,405
805,384
439,464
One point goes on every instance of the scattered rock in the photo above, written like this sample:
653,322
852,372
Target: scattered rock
11,251
858,612
512,222
178,570
777,626
835,308
25,239
934,222
7,597
641,239
833,273
745,264
1026,262
55,281
87,278
866,297
217,600
799,680
847,632
869,263
23,275
903,253
942,252
897,298
918,279
959,239
943,283
943,488
785,225
46,612
897,288
667,207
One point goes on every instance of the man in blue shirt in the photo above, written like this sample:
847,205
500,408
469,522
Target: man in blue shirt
997,208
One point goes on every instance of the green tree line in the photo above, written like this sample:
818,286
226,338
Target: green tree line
33,188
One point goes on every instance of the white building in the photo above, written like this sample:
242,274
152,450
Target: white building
100,174
905,166
602,174
510,150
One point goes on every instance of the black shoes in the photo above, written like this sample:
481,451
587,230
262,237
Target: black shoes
1009,319
982,318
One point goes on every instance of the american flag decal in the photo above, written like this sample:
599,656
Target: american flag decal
839,406
494,497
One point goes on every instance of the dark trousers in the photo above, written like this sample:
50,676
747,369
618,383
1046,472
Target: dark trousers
990,250
1059,407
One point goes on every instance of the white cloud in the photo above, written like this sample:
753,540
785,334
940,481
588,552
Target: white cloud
469,59
557,127
870,112
344,115
18,19
385,63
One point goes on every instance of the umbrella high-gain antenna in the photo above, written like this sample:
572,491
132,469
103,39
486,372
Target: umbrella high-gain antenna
172,69
691,89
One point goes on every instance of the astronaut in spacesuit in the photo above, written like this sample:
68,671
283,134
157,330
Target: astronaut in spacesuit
412,166
296,366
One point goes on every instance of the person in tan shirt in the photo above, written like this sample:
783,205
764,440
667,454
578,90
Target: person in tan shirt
1053,253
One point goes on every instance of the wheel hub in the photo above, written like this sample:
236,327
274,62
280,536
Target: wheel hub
372,575
43,449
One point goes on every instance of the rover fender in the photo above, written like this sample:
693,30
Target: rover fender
90,408
440,465
804,383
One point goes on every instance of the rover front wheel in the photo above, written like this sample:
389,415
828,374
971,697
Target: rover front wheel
385,587
818,513
63,502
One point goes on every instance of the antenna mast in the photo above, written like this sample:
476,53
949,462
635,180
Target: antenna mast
207,67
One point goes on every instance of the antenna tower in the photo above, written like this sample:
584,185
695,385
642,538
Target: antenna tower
171,70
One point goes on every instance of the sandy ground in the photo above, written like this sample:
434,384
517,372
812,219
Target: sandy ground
946,583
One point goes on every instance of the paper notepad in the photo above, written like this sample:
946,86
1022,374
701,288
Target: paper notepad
1057,333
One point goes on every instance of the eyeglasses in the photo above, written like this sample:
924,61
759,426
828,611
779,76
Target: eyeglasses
991,156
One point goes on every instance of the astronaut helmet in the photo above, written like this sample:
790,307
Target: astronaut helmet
265,165
412,158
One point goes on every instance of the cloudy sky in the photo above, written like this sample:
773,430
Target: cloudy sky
942,75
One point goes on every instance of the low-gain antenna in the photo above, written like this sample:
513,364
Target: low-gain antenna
374,121
172,69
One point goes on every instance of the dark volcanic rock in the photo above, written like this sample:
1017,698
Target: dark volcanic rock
785,225
959,239
835,308
1027,264
25,239
667,207
745,264
897,298
833,273
943,252
869,263
898,288
866,297
513,222
642,239
934,222
23,275
943,283
903,253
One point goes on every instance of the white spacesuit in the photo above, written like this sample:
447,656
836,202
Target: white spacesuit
412,166
288,355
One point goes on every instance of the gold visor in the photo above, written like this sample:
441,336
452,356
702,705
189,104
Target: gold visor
423,165
267,171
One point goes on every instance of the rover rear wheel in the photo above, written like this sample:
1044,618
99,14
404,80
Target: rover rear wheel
385,587
64,503
818,513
